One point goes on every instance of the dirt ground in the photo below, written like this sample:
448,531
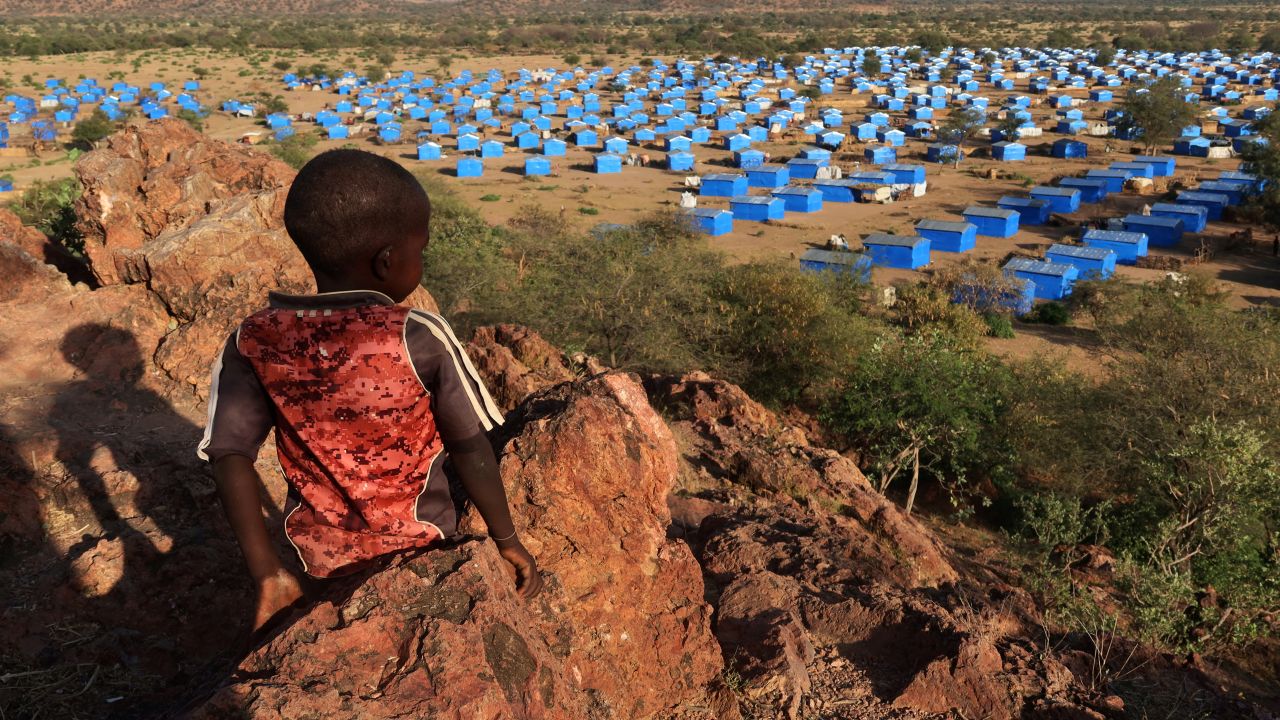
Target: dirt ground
586,198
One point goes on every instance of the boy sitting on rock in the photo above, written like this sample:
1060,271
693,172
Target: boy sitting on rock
367,398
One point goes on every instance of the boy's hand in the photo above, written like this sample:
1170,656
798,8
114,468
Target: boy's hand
528,581
275,593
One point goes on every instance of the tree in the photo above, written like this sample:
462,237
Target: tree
1241,41
1061,37
870,65
92,129
932,40
1157,112
1010,125
1270,40
1104,56
920,404
1263,159
959,126
282,65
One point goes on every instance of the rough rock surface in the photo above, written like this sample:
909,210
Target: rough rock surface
516,362
830,602
621,631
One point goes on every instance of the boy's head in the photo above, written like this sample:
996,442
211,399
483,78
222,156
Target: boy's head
361,222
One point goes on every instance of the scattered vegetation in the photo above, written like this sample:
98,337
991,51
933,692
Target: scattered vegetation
47,206
1171,459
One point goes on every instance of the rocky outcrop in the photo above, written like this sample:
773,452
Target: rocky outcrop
516,362
830,602
621,630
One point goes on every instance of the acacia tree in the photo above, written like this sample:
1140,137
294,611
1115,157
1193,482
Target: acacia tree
1263,160
870,65
959,126
1157,112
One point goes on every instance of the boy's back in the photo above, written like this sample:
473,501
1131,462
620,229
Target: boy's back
359,391
366,397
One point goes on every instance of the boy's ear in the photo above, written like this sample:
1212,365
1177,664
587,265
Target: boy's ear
382,262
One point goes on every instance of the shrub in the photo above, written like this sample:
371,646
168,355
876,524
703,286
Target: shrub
1049,313
192,118
294,150
998,326
47,206
490,198
927,405
89,131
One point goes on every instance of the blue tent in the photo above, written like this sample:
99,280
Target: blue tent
943,152
1128,246
1009,151
1115,178
897,251
748,158
1052,280
1068,148
723,185
608,163
1060,199
948,236
757,208
1214,203
470,167
537,165
768,176
1194,217
1092,190
993,222
712,221
429,151
680,161
805,168
841,191
880,155
1161,231
553,148
1162,166
855,264
491,149
799,199
905,174
1093,262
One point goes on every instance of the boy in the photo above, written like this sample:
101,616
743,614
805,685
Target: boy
367,398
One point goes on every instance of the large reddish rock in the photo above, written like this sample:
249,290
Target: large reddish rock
830,601
516,362
621,630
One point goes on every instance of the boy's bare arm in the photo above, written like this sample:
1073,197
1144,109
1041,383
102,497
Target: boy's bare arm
478,469
238,484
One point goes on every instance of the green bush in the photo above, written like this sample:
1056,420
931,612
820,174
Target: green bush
926,404
89,131
294,150
999,326
1049,313
47,206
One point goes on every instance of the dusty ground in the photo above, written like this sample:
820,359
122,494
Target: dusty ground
586,198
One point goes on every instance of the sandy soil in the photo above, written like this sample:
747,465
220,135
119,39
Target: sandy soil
1250,275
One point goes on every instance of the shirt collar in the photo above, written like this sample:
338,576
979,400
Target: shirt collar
340,300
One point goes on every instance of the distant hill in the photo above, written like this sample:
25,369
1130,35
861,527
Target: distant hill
204,8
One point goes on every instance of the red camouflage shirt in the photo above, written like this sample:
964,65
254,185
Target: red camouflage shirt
365,396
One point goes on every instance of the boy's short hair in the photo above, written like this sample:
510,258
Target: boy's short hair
346,204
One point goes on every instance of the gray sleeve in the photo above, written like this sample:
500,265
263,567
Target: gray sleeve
459,400
240,411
